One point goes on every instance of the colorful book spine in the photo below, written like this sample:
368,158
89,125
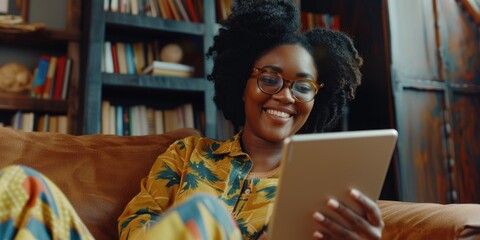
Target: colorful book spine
131,68
66,78
38,85
49,82
59,77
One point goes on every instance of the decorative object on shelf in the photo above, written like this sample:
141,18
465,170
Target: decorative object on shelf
13,23
15,77
171,52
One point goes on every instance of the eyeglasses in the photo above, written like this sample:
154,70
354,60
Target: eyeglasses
272,82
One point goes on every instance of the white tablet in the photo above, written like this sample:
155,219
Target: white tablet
316,167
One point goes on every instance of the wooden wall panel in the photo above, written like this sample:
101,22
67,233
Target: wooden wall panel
413,40
460,44
422,162
437,100
466,134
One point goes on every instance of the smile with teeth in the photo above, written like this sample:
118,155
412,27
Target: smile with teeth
278,113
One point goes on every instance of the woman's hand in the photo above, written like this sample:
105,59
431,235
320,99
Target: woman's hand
369,226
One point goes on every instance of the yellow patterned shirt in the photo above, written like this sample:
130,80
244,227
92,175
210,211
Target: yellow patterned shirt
197,164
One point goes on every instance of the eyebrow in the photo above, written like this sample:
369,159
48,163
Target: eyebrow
279,70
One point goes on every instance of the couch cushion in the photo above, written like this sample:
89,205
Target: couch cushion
99,174
413,221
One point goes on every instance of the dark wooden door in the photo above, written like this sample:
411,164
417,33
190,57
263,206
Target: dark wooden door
435,68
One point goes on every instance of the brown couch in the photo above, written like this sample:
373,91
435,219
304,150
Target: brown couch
99,174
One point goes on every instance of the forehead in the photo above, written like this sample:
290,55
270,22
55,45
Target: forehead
291,59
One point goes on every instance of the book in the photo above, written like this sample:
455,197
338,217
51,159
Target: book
105,117
115,59
138,56
175,73
62,124
159,129
106,5
38,84
173,10
153,8
131,68
53,124
141,6
114,5
59,78
122,58
191,10
143,122
118,120
42,124
150,121
169,66
112,121
49,82
182,11
126,121
107,48
199,9
66,78
170,119
150,56
134,7
164,11
188,115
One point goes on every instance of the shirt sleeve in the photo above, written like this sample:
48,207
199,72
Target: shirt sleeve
157,193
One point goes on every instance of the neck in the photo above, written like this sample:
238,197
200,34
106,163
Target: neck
265,155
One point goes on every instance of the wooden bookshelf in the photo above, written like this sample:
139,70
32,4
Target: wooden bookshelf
66,41
104,25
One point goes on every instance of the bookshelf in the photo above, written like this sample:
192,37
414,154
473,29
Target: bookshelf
25,48
155,90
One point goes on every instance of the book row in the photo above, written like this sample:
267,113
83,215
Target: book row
312,20
183,10
142,120
30,122
51,77
140,58
179,10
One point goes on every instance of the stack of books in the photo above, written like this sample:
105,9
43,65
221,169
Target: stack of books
170,69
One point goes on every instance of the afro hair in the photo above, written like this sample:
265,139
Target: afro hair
254,28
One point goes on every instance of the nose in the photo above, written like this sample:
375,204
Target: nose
285,95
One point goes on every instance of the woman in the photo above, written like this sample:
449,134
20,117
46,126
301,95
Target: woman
270,80
273,82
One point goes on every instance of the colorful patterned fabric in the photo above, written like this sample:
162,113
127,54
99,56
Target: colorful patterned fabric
202,165
31,207
201,217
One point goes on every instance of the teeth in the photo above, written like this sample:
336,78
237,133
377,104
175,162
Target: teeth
278,113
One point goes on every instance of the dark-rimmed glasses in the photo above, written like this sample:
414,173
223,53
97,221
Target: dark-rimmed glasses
271,82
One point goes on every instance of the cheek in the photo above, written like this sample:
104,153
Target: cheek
307,109
252,93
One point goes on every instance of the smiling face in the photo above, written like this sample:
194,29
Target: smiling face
275,117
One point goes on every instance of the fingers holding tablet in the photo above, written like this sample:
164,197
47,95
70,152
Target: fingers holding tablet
368,225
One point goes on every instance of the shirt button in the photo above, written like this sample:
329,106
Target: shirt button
248,191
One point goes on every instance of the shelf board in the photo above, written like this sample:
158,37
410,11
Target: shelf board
154,23
157,82
13,101
52,36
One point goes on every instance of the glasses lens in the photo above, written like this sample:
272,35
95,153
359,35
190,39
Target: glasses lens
269,83
303,90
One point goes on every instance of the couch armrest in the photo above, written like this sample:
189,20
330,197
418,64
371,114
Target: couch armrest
404,220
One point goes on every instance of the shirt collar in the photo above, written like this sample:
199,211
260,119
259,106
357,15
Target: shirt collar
231,146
